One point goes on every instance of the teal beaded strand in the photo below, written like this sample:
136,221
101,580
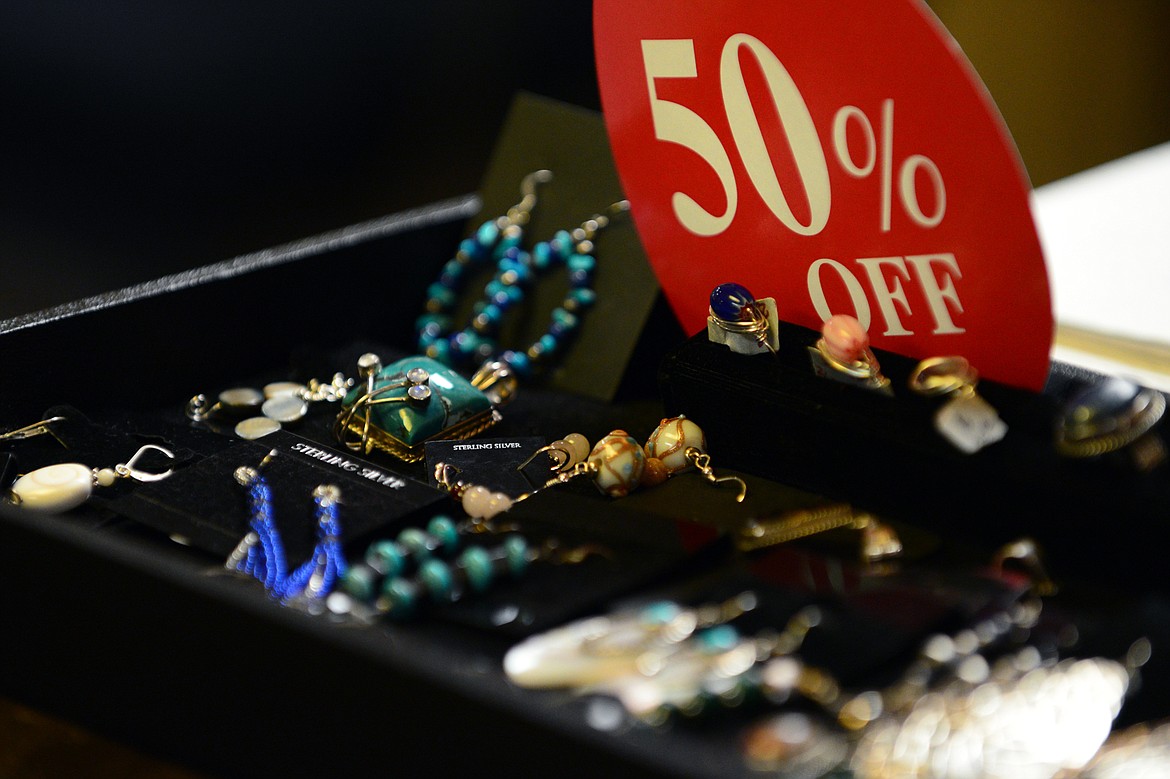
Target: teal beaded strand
441,573
476,568
493,241
388,559
574,250
516,272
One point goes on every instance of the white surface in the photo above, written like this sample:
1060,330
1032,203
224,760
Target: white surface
1106,239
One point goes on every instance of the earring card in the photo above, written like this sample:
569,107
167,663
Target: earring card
205,506
492,462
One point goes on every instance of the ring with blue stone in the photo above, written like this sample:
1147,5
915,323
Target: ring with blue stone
729,301
738,320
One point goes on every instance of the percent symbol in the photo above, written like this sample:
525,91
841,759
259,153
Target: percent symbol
907,171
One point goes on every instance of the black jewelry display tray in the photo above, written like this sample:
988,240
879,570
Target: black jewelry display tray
1097,519
116,627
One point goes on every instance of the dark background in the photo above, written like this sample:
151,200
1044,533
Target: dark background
139,139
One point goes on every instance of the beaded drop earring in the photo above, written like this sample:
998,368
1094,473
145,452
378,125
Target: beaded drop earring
261,552
575,251
497,240
465,409
55,489
373,414
617,465
517,271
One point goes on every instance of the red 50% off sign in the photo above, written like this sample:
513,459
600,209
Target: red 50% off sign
840,157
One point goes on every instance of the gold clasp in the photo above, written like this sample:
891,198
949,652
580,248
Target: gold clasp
33,430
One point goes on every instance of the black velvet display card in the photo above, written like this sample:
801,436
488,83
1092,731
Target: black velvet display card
204,504
491,462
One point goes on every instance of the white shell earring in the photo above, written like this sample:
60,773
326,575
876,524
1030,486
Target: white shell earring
58,488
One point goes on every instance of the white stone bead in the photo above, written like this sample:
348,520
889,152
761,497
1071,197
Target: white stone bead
283,388
497,503
578,446
285,408
618,461
106,477
55,488
476,500
670,440
241,398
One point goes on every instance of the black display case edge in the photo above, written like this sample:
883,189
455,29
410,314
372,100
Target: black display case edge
462,207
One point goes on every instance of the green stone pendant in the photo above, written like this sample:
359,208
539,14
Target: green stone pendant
399,407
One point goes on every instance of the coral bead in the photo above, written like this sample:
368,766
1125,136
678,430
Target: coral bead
654,473
845,339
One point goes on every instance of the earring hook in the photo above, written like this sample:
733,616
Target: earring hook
446,474
519,213
702,461
33,430
583,235
557,454
127,469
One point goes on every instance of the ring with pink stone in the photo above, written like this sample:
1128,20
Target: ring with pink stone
844,348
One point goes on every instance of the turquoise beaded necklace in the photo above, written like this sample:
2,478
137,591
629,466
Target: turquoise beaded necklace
397,577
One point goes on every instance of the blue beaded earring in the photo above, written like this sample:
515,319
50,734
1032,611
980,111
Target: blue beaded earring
400,406
516,272
575,250
495,240
261,552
